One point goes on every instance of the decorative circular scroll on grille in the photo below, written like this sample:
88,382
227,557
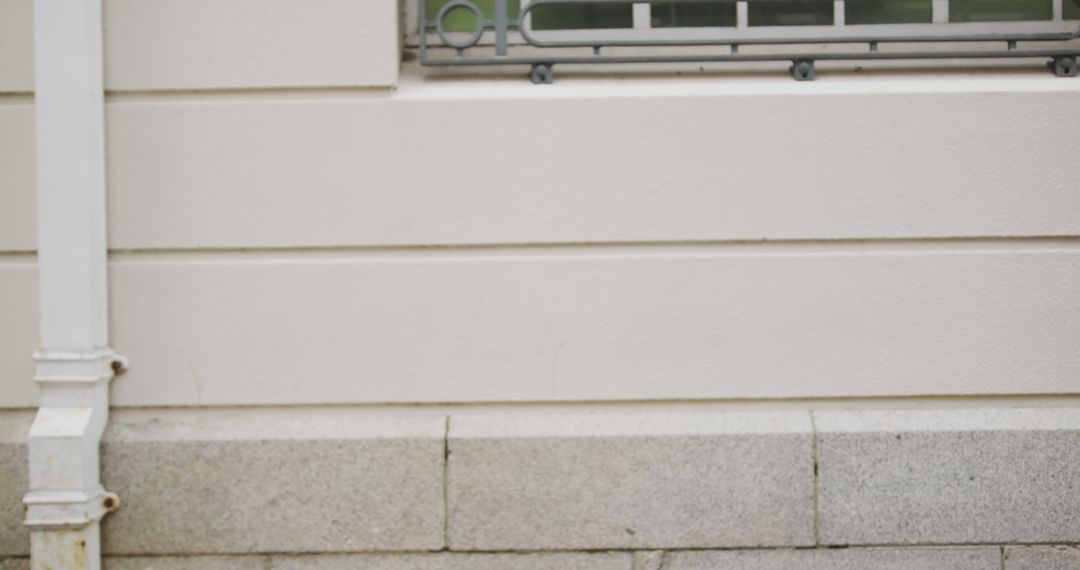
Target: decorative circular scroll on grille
440,18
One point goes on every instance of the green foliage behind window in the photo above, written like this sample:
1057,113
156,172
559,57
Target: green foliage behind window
693,14
582,16
1072,9
1000,10
791,12
462,20
888,11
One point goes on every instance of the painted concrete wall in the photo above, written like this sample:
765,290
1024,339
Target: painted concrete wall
296,221
236,44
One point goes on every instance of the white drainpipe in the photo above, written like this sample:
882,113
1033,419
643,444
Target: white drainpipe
65,502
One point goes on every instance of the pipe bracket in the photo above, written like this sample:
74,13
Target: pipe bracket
66,510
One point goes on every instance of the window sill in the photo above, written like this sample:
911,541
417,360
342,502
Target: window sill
509,83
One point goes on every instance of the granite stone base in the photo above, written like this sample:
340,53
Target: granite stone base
328,489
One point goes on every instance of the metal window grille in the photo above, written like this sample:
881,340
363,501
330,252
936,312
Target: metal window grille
489,42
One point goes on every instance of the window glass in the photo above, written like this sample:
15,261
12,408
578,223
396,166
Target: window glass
888,12
462,20
1000,10
582,16
693,14
791,12
1072,9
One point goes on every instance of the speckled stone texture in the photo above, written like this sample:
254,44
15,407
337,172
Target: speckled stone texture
648,560
15,564
553,561
186,562
14,427
212,482
1042,558
979,558
949,476
607,481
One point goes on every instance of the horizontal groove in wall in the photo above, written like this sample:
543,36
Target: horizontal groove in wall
16,98
382,554
616,406
525,552
613,249
248,94
18,256
672,406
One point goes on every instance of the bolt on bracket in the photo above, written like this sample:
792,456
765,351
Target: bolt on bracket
542,74
45,510
803,70
1063,66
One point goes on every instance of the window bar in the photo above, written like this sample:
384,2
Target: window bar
422,29
524,18
742,15
642,16
1059,10
839,13
501,24
941,12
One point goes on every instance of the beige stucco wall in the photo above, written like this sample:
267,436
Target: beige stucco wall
233,44
292,222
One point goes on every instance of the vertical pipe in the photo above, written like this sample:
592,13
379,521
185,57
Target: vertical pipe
70,173
65,501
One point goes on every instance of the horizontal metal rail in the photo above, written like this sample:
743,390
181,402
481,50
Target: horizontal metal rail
1062,60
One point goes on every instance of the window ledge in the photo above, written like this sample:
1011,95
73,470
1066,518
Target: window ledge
416,84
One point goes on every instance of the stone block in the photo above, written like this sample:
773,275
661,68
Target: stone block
446,561
949,476
14,476
215,482
980,558
639,481
1042,558
15,564
649,560
185,563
